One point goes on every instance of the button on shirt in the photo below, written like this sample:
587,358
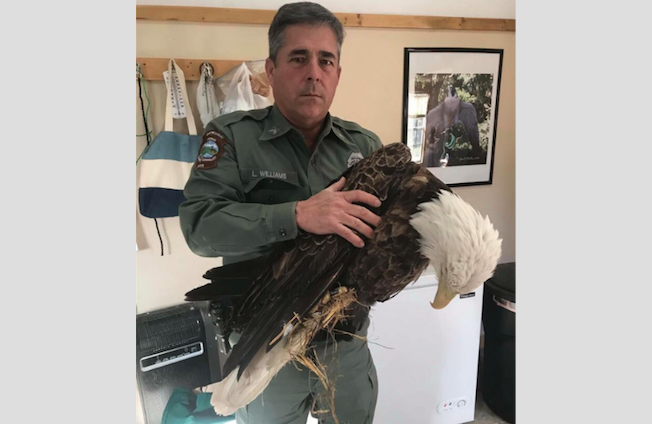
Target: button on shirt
246,203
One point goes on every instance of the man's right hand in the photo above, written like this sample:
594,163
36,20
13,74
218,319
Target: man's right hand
331,211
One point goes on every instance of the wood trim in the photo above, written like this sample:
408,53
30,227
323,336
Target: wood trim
153,68
425,22
264,17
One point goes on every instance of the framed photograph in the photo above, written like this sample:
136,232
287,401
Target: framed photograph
450,111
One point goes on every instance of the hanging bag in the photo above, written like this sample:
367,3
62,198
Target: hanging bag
238,90
167,161
239,95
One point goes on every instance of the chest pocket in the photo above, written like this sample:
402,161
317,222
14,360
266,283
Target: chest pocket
269,187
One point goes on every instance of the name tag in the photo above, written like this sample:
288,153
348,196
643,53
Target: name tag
256,174
269,174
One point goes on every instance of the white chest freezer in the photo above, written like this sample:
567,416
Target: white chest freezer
427,359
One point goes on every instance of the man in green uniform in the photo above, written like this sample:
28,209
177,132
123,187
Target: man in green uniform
261,175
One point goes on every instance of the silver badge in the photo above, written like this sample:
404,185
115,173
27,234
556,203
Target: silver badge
354,158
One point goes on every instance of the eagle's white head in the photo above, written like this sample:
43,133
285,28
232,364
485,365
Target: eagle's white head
462,246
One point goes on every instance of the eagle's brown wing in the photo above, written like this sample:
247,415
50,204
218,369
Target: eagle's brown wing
293,283
392,259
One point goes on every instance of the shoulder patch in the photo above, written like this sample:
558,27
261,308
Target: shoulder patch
210,150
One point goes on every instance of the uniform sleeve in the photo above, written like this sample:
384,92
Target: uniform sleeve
216,221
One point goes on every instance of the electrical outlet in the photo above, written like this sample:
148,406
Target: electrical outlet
453,404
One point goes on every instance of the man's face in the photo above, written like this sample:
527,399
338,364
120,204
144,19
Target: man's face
306,74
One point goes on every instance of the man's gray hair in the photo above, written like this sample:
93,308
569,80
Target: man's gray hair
303,13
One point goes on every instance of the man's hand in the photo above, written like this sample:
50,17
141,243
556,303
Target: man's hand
332,211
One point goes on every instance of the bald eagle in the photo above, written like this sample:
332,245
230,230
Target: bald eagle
308,283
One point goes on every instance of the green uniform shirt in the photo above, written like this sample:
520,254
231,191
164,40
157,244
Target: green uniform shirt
245,201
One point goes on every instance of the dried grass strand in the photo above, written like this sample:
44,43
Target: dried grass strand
325,315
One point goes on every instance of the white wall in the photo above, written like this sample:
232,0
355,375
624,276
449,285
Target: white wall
498,9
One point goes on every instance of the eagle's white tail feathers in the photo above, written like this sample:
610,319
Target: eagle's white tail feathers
462,246
231,394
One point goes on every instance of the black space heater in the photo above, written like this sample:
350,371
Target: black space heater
176,347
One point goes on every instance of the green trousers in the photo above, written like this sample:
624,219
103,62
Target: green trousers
296,391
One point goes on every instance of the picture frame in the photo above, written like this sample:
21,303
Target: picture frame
450,111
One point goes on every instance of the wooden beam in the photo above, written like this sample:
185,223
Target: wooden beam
425,22
264,17
204,14
153,68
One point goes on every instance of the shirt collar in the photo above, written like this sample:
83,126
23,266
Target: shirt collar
337,130
277,125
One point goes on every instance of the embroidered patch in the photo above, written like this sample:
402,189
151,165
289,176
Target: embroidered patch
212,147
354,158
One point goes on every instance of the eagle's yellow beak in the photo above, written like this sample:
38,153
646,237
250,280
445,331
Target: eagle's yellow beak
443,297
